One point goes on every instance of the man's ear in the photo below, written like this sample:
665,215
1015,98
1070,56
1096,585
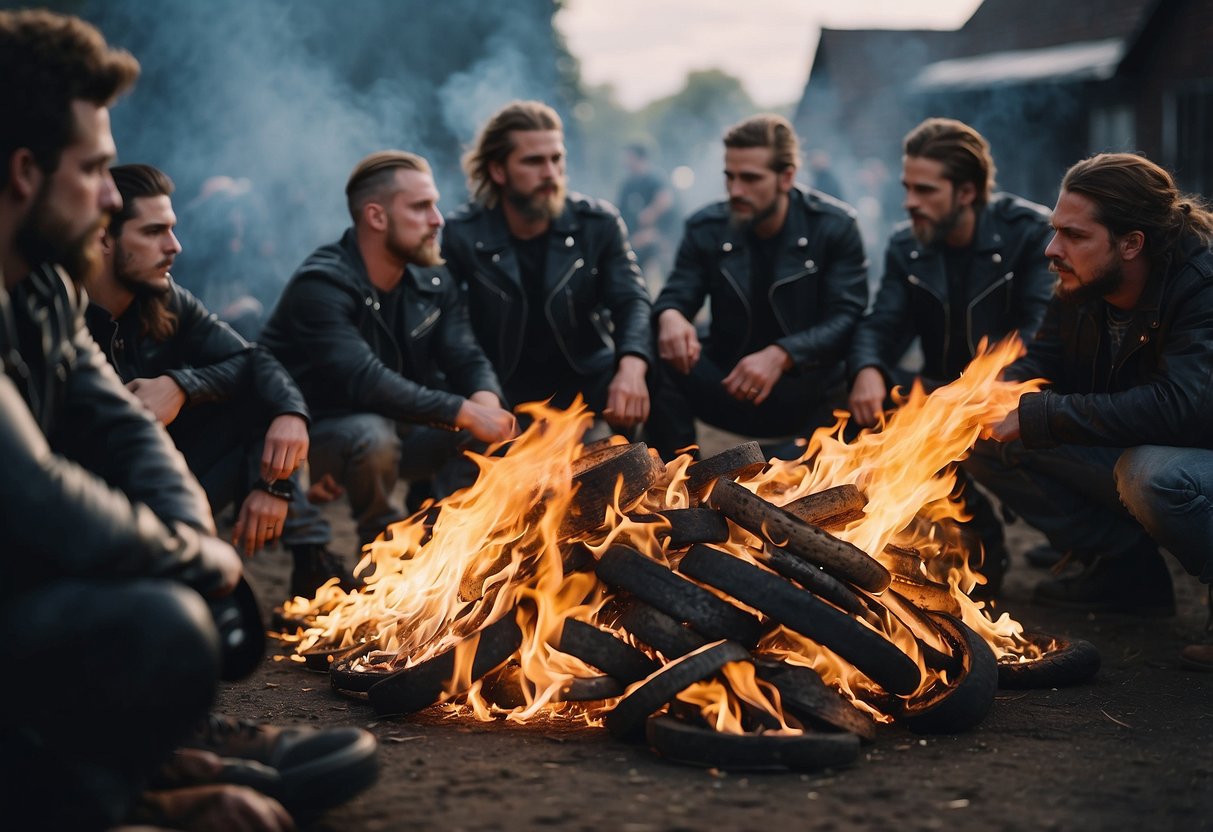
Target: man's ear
1131,245
375,216
785,179
25,176
497,172
966,194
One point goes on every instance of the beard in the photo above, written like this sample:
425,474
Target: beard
44,237
126,278
544,203
758,217
938,231
1104,283
425,253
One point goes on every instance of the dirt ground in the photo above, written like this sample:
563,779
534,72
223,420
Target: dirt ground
1132,749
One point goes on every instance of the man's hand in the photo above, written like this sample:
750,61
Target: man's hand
1008,429
488,422
868,393
677,342
756,375
222,558
286,444
162,397
627,401
260,521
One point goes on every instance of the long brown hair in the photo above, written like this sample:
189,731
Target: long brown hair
495,143
963,152
135,181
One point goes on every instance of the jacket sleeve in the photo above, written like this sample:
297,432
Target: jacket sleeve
1045,356
1173,407
887,327
687,286
216,357
72,524
845,283
325,329
626,294
458,352
274,387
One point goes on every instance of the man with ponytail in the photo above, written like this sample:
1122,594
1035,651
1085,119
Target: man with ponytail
1114,458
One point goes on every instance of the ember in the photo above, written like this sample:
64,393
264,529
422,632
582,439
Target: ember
815,596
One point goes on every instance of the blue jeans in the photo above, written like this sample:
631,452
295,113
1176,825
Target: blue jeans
1110,502
368,454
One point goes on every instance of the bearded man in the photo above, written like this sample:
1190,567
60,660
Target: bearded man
555,294
969,264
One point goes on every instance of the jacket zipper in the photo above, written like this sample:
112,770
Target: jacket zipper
501,347
973,304
771,296
547,312
749,312
947,315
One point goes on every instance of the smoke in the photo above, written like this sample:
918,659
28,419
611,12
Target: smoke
259,109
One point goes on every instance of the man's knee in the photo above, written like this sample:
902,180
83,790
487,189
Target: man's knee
1144,472
174,632
360,439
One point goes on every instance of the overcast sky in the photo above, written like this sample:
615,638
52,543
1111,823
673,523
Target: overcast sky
646,47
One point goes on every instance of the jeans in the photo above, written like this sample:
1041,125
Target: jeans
368,454
1111,502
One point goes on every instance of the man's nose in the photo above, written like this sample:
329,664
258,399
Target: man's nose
173,244
109,200
435,219
1053,249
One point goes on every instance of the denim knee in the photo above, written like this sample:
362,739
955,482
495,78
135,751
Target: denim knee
1146,472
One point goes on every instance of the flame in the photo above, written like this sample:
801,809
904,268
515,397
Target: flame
729,705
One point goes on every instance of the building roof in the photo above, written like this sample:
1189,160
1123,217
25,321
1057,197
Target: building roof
1087,61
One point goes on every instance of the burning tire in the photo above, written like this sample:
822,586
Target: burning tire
878,658
693,745
674,595
814,579
830,508
689,526
806,696
779,528
738,462
602,650
596,475
659,631
966,699
1069,662
626,721
423,685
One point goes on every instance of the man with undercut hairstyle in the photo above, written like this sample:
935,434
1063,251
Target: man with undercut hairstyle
555,295
375,333
1114,457
231,408
783,269
969,264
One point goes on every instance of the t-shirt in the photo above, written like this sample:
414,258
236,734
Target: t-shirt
764,328
541,363
1118,321
958,265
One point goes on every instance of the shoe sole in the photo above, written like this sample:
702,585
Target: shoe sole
314,787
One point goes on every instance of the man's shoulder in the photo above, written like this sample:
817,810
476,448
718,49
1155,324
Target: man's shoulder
822,203
586,206
902,236
468,212
714,214
1012,209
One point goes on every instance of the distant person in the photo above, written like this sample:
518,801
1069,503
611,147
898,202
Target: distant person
554,293
783,269
821,174
647,205
1113,458
969,264
374,331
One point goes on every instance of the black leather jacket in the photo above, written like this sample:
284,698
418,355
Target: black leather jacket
1006,290
1158,390
206,357
818,293
90,485
597,303
328,333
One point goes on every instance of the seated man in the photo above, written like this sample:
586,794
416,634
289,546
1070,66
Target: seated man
375,334
784,270
1113,458
970,264
230,408
547,272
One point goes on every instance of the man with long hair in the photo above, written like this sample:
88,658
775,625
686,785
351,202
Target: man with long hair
1115,457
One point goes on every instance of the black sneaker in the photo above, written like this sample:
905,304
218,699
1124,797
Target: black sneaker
308,770
1042,556
1139,584
314,565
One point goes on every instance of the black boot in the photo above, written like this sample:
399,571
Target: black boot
314,565
1137,583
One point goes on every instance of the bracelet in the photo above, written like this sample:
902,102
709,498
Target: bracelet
282,489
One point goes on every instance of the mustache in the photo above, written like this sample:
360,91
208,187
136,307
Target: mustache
1058,265
738,202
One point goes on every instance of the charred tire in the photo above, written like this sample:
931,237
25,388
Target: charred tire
626,720
659,587
507,693
878,658
345,680
802,692
595,477
814,579
656,629
738,462
601,650
966,700
1074,661
422,685
779,528
693,745
694,525
832,507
